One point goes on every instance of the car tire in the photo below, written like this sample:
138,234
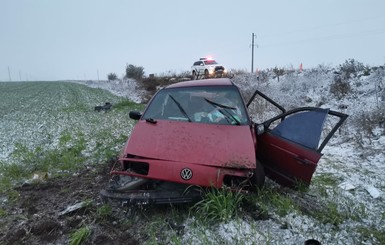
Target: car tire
258,179
206,74
194,75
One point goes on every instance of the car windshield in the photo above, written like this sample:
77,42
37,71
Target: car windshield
210,62
206,104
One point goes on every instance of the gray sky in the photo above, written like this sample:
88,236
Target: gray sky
79,39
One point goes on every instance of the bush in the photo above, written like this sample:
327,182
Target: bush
379,80
151,84
112,76
136,72
278,72
340,87
369,121
352,68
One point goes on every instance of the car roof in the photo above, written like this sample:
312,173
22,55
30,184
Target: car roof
203,82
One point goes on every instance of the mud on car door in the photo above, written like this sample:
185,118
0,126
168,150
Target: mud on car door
289,145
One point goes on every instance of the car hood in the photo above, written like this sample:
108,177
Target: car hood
207,144
215,65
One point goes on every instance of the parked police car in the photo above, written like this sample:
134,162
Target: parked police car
207,68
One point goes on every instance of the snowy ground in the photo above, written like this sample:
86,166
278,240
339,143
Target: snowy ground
39,114
351,174
124,88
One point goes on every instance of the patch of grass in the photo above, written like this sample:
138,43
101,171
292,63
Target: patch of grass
301,187
218,205
3,212
9,172
80,236
88,203
372,233
64,138
326,179
164,224
107,149
126,104
268,199
103,212
325,183
322,191
154,231
330,214
67,157
283,204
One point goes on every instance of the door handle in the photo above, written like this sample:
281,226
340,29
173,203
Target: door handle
302,160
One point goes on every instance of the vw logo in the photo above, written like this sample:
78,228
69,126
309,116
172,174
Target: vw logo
186,173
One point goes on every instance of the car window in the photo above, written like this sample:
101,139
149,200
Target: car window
304,128
206,104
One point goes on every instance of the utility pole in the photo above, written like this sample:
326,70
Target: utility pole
9,75
252,51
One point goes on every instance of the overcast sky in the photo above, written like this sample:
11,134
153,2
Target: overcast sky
87,39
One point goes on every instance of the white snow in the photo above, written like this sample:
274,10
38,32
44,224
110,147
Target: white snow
373,191
126,88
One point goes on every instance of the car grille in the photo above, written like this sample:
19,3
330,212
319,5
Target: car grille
219,68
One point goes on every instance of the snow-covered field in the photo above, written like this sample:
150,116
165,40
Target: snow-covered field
348,185
38,114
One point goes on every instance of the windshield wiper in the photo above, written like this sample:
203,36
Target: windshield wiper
220,105
225,113
180,108
151,120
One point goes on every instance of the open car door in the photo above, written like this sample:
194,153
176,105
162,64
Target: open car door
289,145
290,151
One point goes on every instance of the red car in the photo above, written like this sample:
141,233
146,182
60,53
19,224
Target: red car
199,133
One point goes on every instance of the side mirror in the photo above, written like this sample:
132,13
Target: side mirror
136,115
260,129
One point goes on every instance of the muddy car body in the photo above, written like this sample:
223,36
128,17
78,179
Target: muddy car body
199,133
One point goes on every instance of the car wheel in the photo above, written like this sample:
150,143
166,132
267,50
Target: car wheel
258,179
206,74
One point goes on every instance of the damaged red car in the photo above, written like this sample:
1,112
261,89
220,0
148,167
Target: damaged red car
200,134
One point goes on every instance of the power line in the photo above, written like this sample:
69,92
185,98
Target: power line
329,37
313,28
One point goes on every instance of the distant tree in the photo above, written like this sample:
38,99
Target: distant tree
278,72
136,72
352,68
112,76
